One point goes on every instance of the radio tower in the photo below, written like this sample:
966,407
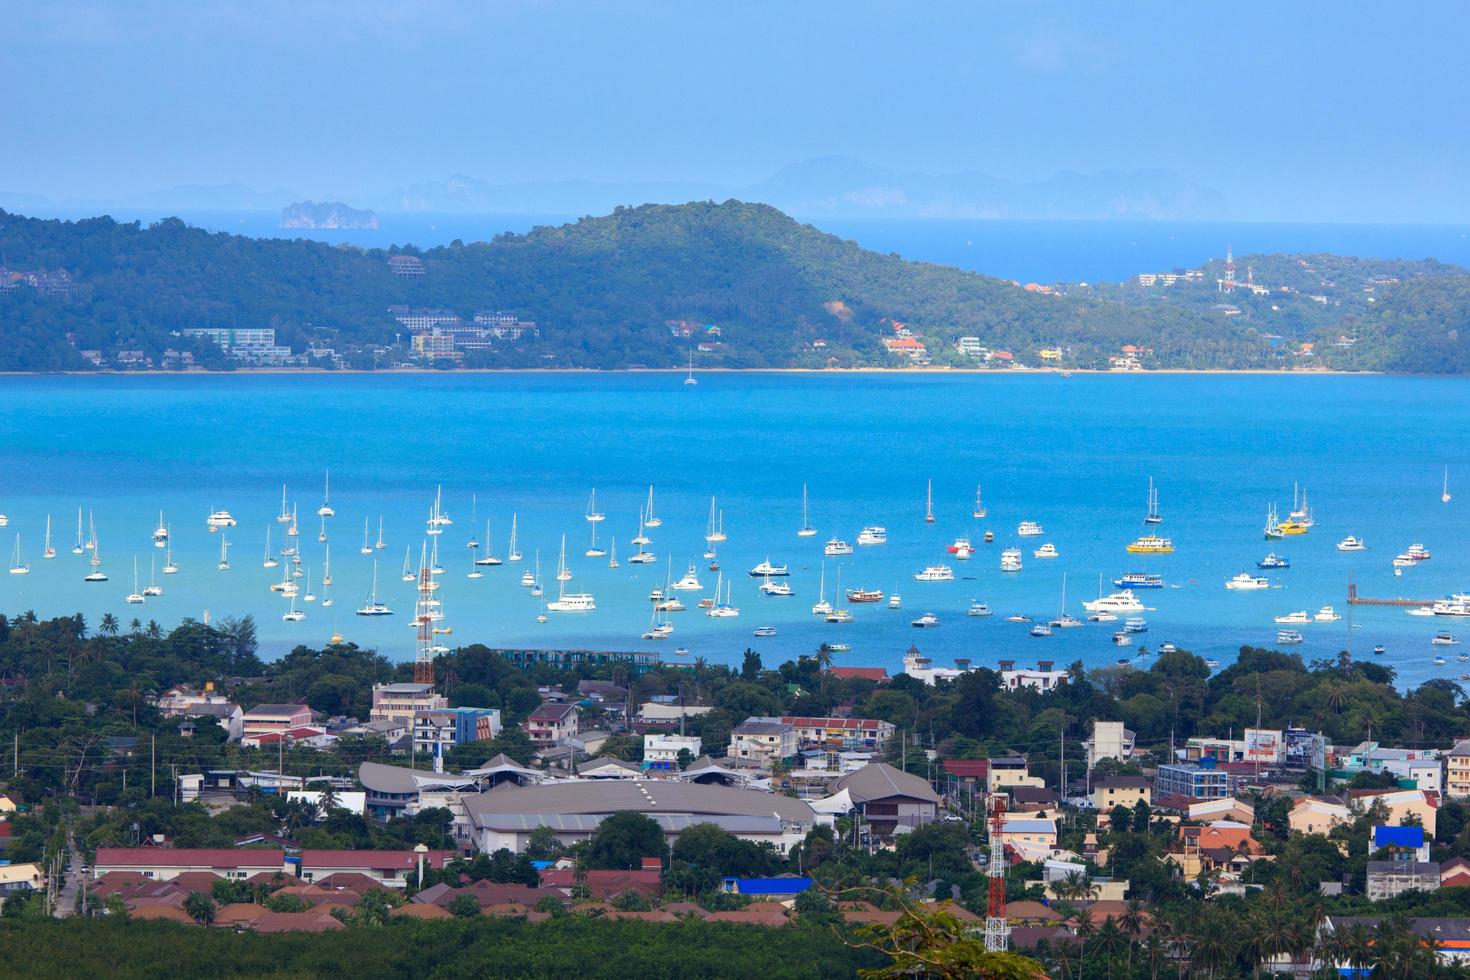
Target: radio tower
425,612
997,931
1229,283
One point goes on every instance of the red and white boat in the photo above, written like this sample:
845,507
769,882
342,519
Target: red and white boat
864,595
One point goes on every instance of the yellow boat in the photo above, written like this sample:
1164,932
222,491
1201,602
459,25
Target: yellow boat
1151,545
1293,527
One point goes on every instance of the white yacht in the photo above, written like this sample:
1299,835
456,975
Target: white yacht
822,607
1029,529
18,567
836,548
978,608
1047,550
220,518
160,533
1121,601
766,570
593,514
1010,560
373,607
135,597
715,531
1245,581
568,601
224,552
1454,605
776,589
152,588
806,530
293,615
284,517
1294,618
873,534
325,510
1351,543
513,554
1327,615
689,583
935,573
925,621
489,558
895,601
1288,637
650,519
719,609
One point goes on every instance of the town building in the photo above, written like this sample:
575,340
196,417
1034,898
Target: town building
1200,780
661,752
390,869
886,798
1006,772
763,740
252,346
849,734
1043,677
1126,791
401,701
552,724
406,266
1390,879
165,863
438,730
921,668
1110,740
1457,771
270,718
1317,814
1402,806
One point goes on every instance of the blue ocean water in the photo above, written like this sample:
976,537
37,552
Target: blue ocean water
1074,454
1040,251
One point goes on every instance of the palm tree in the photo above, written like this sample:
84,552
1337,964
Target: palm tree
109,625
1110,940
154,631
135,626
824,657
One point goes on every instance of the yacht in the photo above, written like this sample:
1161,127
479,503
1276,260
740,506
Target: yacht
1211,663
715,532
766,570
1288,637
978,608
822,607
725,609
593,514
568,601
373,607
925,621
895,601
960,544
1010,560
134,597
963,552
325,510
873,534
806,530
764,631
1047,550
1151,544
1380,650
160,533
979,512
989,537
1246,581
18,567
649,518
1273,525
1139,580
935,573
1018,618
1029,529
840,647
293,615
220,518
96,574
1103,616
1294,618
864,595
1418,552
1168,648
1402,561
1135,624
1121,601
1122,639
1443,639
1327,615
1454,605
1153,516
777,589
1273,560
488,559
152,588
1041,629
528,578
1351,543
836,548
689,583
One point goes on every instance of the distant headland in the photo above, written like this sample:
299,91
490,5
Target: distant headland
333,214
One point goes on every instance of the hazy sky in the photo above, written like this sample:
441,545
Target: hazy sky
1347,110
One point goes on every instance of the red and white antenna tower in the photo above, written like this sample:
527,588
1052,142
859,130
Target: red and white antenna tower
423,618
1229,270
997,930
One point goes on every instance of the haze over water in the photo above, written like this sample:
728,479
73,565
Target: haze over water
1073,453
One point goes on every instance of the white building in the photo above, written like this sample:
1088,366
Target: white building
763,740
401,701
921,668
662,751
1110,740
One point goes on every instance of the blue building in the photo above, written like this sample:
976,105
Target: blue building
1200,780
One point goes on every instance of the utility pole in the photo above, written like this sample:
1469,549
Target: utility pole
153,765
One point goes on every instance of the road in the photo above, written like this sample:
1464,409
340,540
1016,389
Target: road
71,881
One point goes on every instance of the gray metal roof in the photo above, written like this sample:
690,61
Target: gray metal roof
588,822
380,778
878,781
652,797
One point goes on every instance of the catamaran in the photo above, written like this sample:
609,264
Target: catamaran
1153,516
293,615
325,510
373,607
135,597
490,558
806,530
308,595
822,607
649,519
722,610
153,589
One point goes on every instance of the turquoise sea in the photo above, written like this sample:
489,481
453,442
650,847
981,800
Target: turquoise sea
1074,454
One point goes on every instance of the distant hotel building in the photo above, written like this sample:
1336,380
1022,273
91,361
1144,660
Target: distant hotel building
407,266
444,334
254,346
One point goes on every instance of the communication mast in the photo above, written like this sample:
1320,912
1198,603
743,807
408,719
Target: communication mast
1228,283
997,930
425,612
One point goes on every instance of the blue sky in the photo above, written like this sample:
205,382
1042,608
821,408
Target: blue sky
1332,111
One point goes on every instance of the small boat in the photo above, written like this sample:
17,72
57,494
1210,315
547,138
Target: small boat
935,573
979,511
925,621
864,595
836,548
1122,639
805,531
1351,543
767,570
593,514
776,589
1246,581
764,631
1273,560
18,567
840,647
1168,648
1211,663
1047,550
1327,615
1134,624
1018,618
1041,629
1151,544
989,537
1294,618
873,534
1380,650
1102,617
895,601
325,510
681,651
1029,529
1440,661
1010,560
978,608
929,505
1153,516
1139,580
135,597
160,533
1124,662
1443,639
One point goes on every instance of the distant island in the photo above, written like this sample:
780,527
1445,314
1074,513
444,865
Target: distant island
731,285
334,214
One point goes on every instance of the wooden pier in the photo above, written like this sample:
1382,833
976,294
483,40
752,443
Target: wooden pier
1356,600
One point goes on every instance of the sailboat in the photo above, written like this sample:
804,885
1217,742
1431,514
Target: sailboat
490,557
270,558
593,551
1153,516
379,544
367,547
408,575
77,548
716,529
593,514
327,568
474,571
720,609
135,597
1444,496
568,601
612,561
690,379
325,510
474,520
649,520
373,607
322,535
838,614
294,530
224,552
822,607
1064,620
153,589
641,556
18,567
284,517
1301,513
536,589
308,595
929,504
806,530
293,615
91,543
169,568
160,533
641,538
979,510
96,574
46,550
513,554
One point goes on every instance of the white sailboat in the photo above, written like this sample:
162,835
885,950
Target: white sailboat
294,530
929,504
490,557
563,572
593,551
224,552
689,379
612,561
593,514
649,519
18,567
408,575
514,553
327,568
160,533
308,595
293,615
822,607
169,568
153,589
284,517
96,574
1444,495
569,601
270,557
474,520
322,534
1153,516
379,545
806,529
77,548
46,550
135,597
325,510
716,529
979,510
536,589
367,547
373,607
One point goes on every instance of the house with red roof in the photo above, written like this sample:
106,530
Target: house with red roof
388,868
165,863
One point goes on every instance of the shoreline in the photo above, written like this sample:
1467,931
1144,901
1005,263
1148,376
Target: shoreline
895,372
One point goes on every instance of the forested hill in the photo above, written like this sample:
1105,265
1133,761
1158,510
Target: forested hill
639,287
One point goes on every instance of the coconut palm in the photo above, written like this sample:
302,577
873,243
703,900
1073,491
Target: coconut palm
109,625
